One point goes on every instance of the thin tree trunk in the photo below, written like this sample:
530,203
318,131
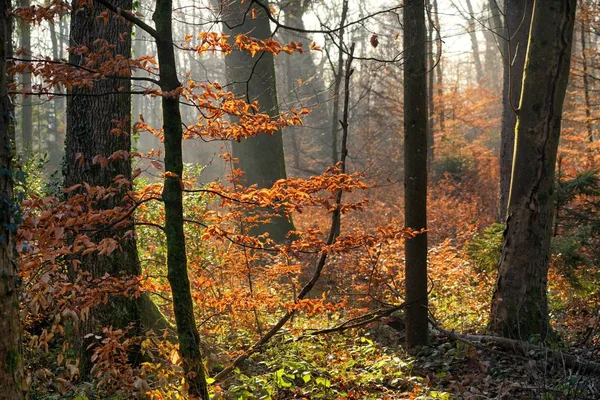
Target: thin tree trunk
519,305
302,86
586,83
11,362
415,171
261,158
336,87
439,71
430,104
27,106
517,23
474,45
55,140
183,306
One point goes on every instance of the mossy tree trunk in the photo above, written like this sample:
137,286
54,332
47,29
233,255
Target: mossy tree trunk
517,20
11,365
415,170
183,306
91,115
261,158
519,305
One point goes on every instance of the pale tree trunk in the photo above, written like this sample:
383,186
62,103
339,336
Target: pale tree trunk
495,45
415,170
586,81
516,31
430,77
439,71
336,87
472,29
11,362
302,86
55,140
519,305
261,158
27,106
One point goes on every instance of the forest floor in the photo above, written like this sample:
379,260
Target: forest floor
375,366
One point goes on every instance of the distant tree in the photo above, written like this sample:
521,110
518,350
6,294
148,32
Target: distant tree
11,363
519,305
301,84
517,20
472,29
261,158
27,106
415,170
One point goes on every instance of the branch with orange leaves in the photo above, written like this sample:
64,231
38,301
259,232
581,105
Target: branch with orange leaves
334,228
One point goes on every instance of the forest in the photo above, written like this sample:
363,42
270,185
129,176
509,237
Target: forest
299,199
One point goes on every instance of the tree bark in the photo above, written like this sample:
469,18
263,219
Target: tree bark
261,157
516,31
415,170
519,305
183,306
89,123
11,362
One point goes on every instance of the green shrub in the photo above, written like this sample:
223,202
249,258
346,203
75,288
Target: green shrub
485,248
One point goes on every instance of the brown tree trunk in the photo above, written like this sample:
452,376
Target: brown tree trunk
11,362
516,31
519,305
253,78
415,170
91,114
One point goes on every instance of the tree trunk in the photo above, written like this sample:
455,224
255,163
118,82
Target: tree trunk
519,305
415,170
430,68
91,114
55,140
183,306
586,83
27,107
261,157
474,45
303,87
337,82
11,362
439,71
494,45
516,31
